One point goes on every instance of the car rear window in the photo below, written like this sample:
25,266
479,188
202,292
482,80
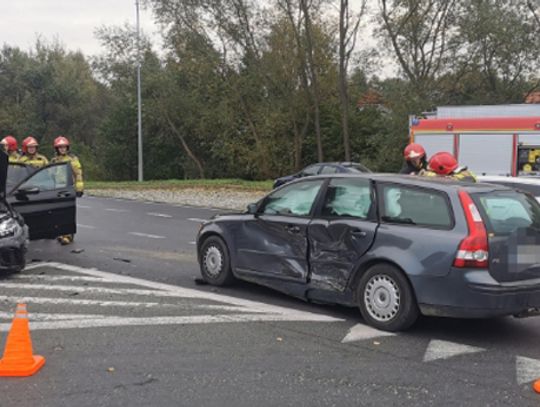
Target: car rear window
416,206
358,168
506,211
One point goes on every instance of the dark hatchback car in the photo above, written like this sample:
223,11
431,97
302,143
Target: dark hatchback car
34,204
395,246
323,168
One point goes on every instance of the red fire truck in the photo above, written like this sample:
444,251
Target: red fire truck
489,140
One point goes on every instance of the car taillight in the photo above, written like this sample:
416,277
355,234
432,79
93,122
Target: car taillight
473,250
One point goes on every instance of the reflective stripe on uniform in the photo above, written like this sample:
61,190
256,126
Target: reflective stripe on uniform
464,175
14,157
37,160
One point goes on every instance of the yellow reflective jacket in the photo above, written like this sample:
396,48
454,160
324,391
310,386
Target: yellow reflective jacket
37,160
463,174
460,174
76,168
14,157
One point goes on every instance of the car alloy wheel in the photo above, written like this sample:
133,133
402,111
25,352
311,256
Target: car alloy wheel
382,298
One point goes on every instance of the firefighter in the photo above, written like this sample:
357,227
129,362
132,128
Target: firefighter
61,146
30,153
415,159
444,164
10,147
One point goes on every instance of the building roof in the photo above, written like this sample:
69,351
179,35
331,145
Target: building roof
533,97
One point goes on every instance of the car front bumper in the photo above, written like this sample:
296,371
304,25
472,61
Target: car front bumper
475,294
13,250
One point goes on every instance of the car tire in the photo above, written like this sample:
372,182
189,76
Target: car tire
386,299
215,263
20,267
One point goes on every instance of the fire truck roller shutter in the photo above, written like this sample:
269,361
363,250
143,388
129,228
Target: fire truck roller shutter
529,139
528,154
435,143
487,154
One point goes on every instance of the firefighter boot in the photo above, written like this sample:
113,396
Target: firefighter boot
65,239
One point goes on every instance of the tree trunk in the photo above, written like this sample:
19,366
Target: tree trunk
261,153
343,92
314,76
185,146
344,101
303,73
299,136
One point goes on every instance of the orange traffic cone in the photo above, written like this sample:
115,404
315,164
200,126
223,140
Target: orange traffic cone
536,386
18,359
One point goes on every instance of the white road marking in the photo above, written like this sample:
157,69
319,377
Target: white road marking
194,242
116,210
57,278
33,266
87,289
44,300
159,215
198,220
527,370
249,306
37,316
80,225
362,332
444,350
84,206
38,300
179,320
146,235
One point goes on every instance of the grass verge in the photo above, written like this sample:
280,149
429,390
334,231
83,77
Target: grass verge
234,184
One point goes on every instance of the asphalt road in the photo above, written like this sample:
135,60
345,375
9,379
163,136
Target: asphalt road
121,322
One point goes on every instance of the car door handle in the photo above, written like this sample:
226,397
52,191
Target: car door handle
358,233
63,194
292,228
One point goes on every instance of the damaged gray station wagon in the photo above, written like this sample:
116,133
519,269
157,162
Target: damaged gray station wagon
395,246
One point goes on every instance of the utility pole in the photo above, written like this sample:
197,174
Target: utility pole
139,110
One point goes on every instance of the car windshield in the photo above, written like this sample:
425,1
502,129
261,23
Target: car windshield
16,173
357,168
507,211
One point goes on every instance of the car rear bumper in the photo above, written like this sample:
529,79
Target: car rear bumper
475,294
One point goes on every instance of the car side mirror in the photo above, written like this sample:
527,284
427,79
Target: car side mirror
252,209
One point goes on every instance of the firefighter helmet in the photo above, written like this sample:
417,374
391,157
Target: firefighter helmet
443,163
29,142
61,141
414,150
10,142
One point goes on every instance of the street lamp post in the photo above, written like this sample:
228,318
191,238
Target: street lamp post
139,110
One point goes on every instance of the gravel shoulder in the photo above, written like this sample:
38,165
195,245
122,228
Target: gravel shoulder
220,198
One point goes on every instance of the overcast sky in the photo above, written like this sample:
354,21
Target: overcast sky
72,22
